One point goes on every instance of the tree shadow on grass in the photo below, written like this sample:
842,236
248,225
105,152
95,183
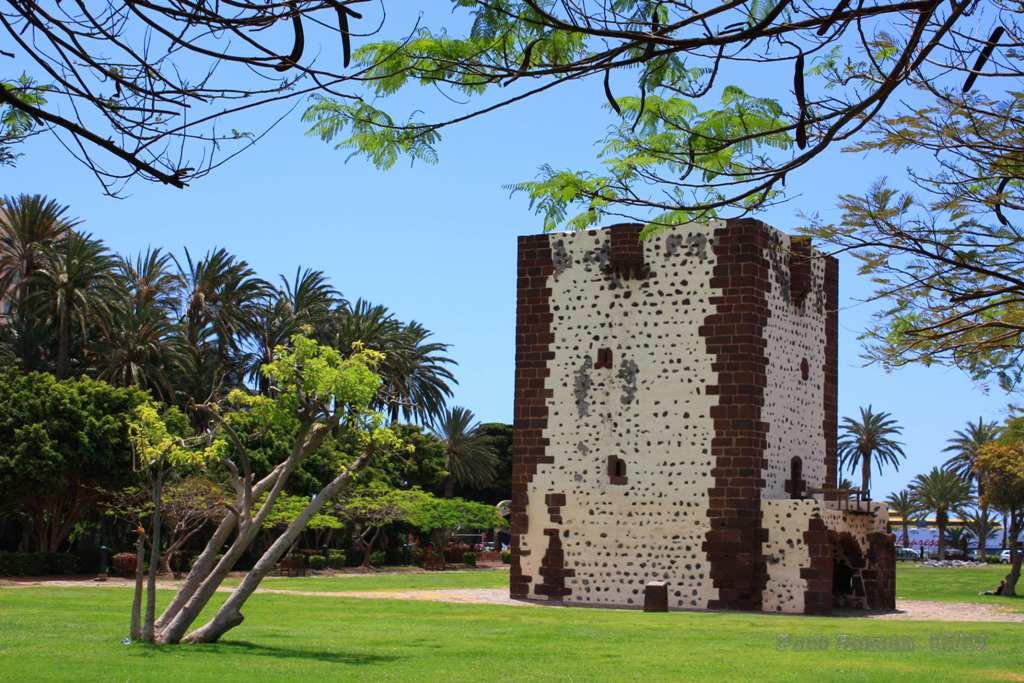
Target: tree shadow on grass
330,657
244,647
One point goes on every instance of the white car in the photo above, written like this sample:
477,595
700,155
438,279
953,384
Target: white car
1004,556
907,554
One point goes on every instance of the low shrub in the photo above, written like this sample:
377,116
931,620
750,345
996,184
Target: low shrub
37,564
469,558
395,556
317,562
378,558
336,559
123,564
506,556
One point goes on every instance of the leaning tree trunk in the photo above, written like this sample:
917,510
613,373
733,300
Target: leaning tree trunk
204,564
368,547
136,626
176,628
148,629
1010,582
230,613
199,571
180,623
1008,586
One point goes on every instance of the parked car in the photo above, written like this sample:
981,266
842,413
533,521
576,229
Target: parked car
907,554
1004,556
955,554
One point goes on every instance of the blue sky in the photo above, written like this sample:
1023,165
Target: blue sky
438,243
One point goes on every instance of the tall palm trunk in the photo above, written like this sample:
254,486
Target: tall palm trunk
906,534
63,340
940,522
982,529
865,475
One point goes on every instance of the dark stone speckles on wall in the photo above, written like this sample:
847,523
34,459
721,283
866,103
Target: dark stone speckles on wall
660,435
627,375
700,424
581,386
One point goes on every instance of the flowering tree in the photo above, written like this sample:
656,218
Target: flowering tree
1001,466
314,392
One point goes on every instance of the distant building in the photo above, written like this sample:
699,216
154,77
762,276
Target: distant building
675,420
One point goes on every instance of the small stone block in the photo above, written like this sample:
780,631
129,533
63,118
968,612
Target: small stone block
656,596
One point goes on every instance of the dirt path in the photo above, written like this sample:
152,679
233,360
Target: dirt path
909,610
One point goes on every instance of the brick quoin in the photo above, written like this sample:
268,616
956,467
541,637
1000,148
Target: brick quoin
818,594
734,336
831,387
880,574
533,341
799,269
626,250
552,569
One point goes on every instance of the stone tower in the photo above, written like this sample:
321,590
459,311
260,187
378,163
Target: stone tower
675,420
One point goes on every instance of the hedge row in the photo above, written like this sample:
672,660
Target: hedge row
37,564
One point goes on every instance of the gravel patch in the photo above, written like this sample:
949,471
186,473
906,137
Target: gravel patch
906,610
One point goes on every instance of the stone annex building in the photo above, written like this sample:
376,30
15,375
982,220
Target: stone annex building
675,420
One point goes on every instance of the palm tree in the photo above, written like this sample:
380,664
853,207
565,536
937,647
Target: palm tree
370,324
867,440
308,301
964,446
1004,516
940,491
221,298
151,281
28,224
75,287
980,523
416,381
140,348
469,456
903,504
958,538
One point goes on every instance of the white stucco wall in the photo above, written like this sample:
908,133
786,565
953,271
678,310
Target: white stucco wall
794,407
650,410
619,537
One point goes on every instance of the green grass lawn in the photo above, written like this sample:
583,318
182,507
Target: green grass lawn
342,583
960,584
75,634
